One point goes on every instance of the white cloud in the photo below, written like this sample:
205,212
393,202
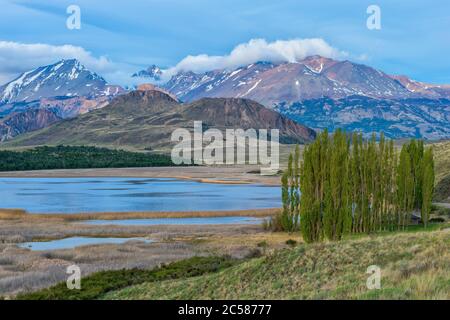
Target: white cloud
16,58
258,50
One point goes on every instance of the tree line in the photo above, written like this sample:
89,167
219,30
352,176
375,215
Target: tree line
78,157
347,184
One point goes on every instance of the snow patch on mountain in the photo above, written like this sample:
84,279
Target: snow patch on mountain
66,77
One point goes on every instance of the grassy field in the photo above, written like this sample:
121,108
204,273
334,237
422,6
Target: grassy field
442,165
442,159
413,266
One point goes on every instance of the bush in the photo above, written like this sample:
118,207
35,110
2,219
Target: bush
253,253
97,284
262,244
291,242
274,223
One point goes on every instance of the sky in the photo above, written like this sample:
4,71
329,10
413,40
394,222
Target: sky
118,38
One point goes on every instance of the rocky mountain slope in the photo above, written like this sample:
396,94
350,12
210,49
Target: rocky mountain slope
413,118
321,93
30,120
153,73
147,118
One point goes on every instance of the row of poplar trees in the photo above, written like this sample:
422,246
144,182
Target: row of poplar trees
347,184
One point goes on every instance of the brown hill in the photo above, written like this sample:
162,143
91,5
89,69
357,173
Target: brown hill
146,119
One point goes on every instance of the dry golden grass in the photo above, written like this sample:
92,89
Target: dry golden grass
442,159
17,214
413,266
7,214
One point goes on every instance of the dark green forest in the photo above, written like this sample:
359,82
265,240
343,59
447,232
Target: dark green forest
78,157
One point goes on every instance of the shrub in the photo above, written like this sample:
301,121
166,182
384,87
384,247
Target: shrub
97,284
291,242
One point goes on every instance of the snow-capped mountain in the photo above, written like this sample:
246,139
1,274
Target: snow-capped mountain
326,93
49,94
431,91
153,72
67,78
312,78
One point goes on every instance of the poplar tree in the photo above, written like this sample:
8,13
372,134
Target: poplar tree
391,187
355,185
427,189
405,188
356,182
285,199
290,195
313,178
337,211
287,223
296,181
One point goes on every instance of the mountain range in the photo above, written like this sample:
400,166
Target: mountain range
146,119
312,78
318,92
64,89
326,93
153,73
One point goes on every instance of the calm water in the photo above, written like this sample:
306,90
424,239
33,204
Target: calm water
73,195
69,243
178,221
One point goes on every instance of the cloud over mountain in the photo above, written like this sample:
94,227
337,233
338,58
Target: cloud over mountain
16,58
258,50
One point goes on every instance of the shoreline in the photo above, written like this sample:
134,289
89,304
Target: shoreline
244,174
217,174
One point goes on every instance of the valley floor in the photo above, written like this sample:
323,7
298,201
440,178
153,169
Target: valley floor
414,264
24,270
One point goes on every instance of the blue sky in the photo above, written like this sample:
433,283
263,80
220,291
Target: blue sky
129,35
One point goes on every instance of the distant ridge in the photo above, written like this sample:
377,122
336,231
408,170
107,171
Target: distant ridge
327,93
146,119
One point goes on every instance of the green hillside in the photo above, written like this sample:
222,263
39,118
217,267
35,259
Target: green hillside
442,163
413,266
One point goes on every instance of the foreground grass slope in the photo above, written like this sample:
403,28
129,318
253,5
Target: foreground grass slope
99,283
413,266
442,165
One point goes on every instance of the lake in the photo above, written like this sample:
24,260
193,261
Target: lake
177,221
73,242
78,195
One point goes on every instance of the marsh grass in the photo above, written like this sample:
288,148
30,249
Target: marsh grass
96,285
17,214
24,270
